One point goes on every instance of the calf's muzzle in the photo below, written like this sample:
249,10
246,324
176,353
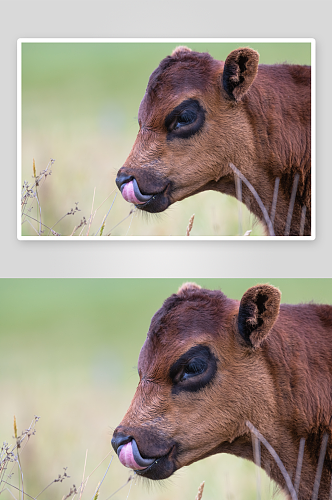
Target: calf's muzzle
151,457
144,190
130,190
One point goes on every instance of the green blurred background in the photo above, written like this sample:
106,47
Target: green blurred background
69,350
79,106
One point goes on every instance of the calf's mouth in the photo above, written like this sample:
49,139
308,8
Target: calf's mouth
131,193
157,467
151,199
129,455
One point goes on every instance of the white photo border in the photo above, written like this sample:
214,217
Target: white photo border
312,41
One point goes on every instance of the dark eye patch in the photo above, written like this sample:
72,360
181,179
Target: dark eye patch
185,120
193,370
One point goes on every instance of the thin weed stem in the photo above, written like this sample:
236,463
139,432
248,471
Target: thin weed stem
20,474
83,484
102,203
101,482
275,199
257,198
131,220
7,456
86,456
190,225
131,211
40,215
276,458
200,491
50,229
257,459
299,465
303,214
320,467
131,484
31,192
18,489
7,489
101,462
291,204
238,190
91,216
27,220
130,478
107,213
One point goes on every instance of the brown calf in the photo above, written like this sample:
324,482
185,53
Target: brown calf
200,116
210,364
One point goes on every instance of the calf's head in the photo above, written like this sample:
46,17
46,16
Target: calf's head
201,377
191,125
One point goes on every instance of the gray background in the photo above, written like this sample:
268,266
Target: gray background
174,18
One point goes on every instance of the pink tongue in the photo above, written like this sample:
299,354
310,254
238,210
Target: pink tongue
129,195
126,457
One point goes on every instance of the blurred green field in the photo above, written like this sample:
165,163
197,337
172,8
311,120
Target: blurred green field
79,106
69,352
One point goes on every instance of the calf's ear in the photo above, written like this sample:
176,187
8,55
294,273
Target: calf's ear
240,70
259,309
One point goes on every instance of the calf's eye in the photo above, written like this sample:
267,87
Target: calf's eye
185,118
195,367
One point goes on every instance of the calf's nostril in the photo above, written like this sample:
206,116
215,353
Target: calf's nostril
122,179
119,440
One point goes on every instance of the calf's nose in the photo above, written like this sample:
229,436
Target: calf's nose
122,179
119,440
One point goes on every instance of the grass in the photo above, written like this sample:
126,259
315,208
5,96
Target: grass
38,219
14,484
30,196
13,480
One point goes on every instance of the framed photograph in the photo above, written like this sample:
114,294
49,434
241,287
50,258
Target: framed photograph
166,139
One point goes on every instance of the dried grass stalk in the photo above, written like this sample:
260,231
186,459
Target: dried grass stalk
238,190
299,466
276,458
291,205
257,459
190,225
303,213
256,196
320,467
275,199
200,491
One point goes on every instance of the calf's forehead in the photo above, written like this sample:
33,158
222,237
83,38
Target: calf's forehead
189,75
186,324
